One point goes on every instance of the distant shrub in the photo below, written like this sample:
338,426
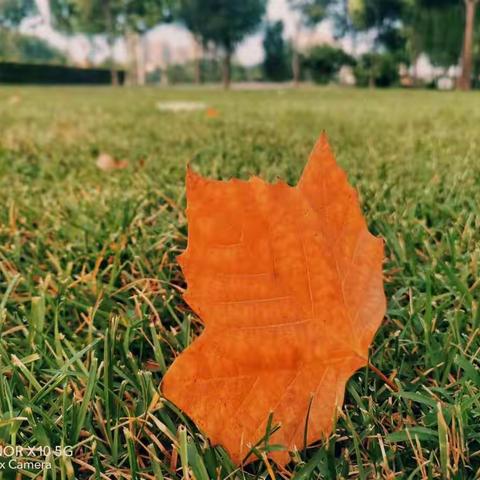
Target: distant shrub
323,62
376,70
210,72
180,73
277,64
17,47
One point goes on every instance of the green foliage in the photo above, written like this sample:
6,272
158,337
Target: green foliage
12,12
395,41
379,14
180,73
17,47
112,17
222,22
277,61
211,72
99,249
376,69
386,19
324,61
141,15
407,28
79,16
440,33
312,11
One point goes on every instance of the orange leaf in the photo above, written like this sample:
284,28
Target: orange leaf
212,113
107,163
288,281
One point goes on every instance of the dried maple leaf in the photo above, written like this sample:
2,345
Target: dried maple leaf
288,281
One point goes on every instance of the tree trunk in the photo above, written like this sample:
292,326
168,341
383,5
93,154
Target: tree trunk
110,40
354,38
414,53
371,79
227,69
198,54
136,59
131,59
296,67
140,59
165,61
164,77
465,79
198,72
113,68
296,55
414,72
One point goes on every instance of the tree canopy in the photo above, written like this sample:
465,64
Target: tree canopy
27,48
222,22
12,12
276,65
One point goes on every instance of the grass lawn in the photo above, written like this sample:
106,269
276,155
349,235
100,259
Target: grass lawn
91,313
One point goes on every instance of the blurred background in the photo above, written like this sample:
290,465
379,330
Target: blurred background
383,43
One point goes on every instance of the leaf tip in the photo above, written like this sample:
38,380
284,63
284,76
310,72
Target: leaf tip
320,157
181,258
322,146
193,182
323,138
192,176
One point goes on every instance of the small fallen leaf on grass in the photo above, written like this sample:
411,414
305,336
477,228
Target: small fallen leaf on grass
107,163
212,113
288,281
152,366
14,100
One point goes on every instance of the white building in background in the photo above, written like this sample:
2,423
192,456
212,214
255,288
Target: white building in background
167,45
308,38
445,78
346,76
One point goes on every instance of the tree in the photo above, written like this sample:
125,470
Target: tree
275,65
112,18
89,17
382,17
190,14
465,79
440,31
12,12
222,22
396,27
27,49
311,12
324,62
135,18
376,69
469,20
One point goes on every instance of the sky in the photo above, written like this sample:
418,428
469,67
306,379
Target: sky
249,52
